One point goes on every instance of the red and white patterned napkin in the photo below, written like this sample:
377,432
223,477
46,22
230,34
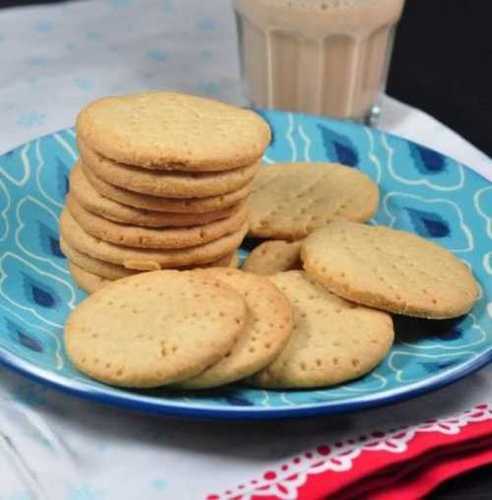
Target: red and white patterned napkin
404,463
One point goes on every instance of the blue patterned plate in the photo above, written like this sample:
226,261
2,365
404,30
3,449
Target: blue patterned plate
422,191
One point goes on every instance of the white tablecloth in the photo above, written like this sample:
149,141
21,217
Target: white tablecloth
54,59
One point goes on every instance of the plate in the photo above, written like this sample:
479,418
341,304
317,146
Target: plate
421,191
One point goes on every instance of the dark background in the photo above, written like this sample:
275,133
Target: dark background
442,64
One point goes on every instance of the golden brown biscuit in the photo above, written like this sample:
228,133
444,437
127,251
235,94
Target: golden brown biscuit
113,271
90,199
154,328
172,131
172,205
389,269
265,335
289,201
160,238
271,257
168,184
142,259
333,340
86,280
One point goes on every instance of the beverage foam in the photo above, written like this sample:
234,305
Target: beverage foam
318,4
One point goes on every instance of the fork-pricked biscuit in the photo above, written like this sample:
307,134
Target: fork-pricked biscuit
154,328
169,184
86,280
276,256
170,205
90,199
172,131
94,266
113,271
333,340
389,269
91,282
143,259
288,201
266,332
159,238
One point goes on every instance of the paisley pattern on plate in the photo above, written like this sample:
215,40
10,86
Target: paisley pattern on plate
422,191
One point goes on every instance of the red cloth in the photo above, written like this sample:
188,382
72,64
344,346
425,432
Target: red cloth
429,477
429,461
406,463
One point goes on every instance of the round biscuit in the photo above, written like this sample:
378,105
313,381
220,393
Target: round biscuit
90,199
94,266
272,257
143,259
289,201
159,238
89,282
172,131
265,335
113,271
392,270
169,184
172,205
333,340
153,329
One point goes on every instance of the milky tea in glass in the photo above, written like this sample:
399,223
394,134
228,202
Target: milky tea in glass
325,57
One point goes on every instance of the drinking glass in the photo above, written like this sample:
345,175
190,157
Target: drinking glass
323,57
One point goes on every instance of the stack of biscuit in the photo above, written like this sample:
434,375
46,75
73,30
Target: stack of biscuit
320,316
161,183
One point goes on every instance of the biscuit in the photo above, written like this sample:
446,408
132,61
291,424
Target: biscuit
171,131
333,340
389,269
271,257
113,271
94,266
265,335
164,183
159,238
89,198
86,280
229,260
91,282
172,205
145,259
154,328
288,201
